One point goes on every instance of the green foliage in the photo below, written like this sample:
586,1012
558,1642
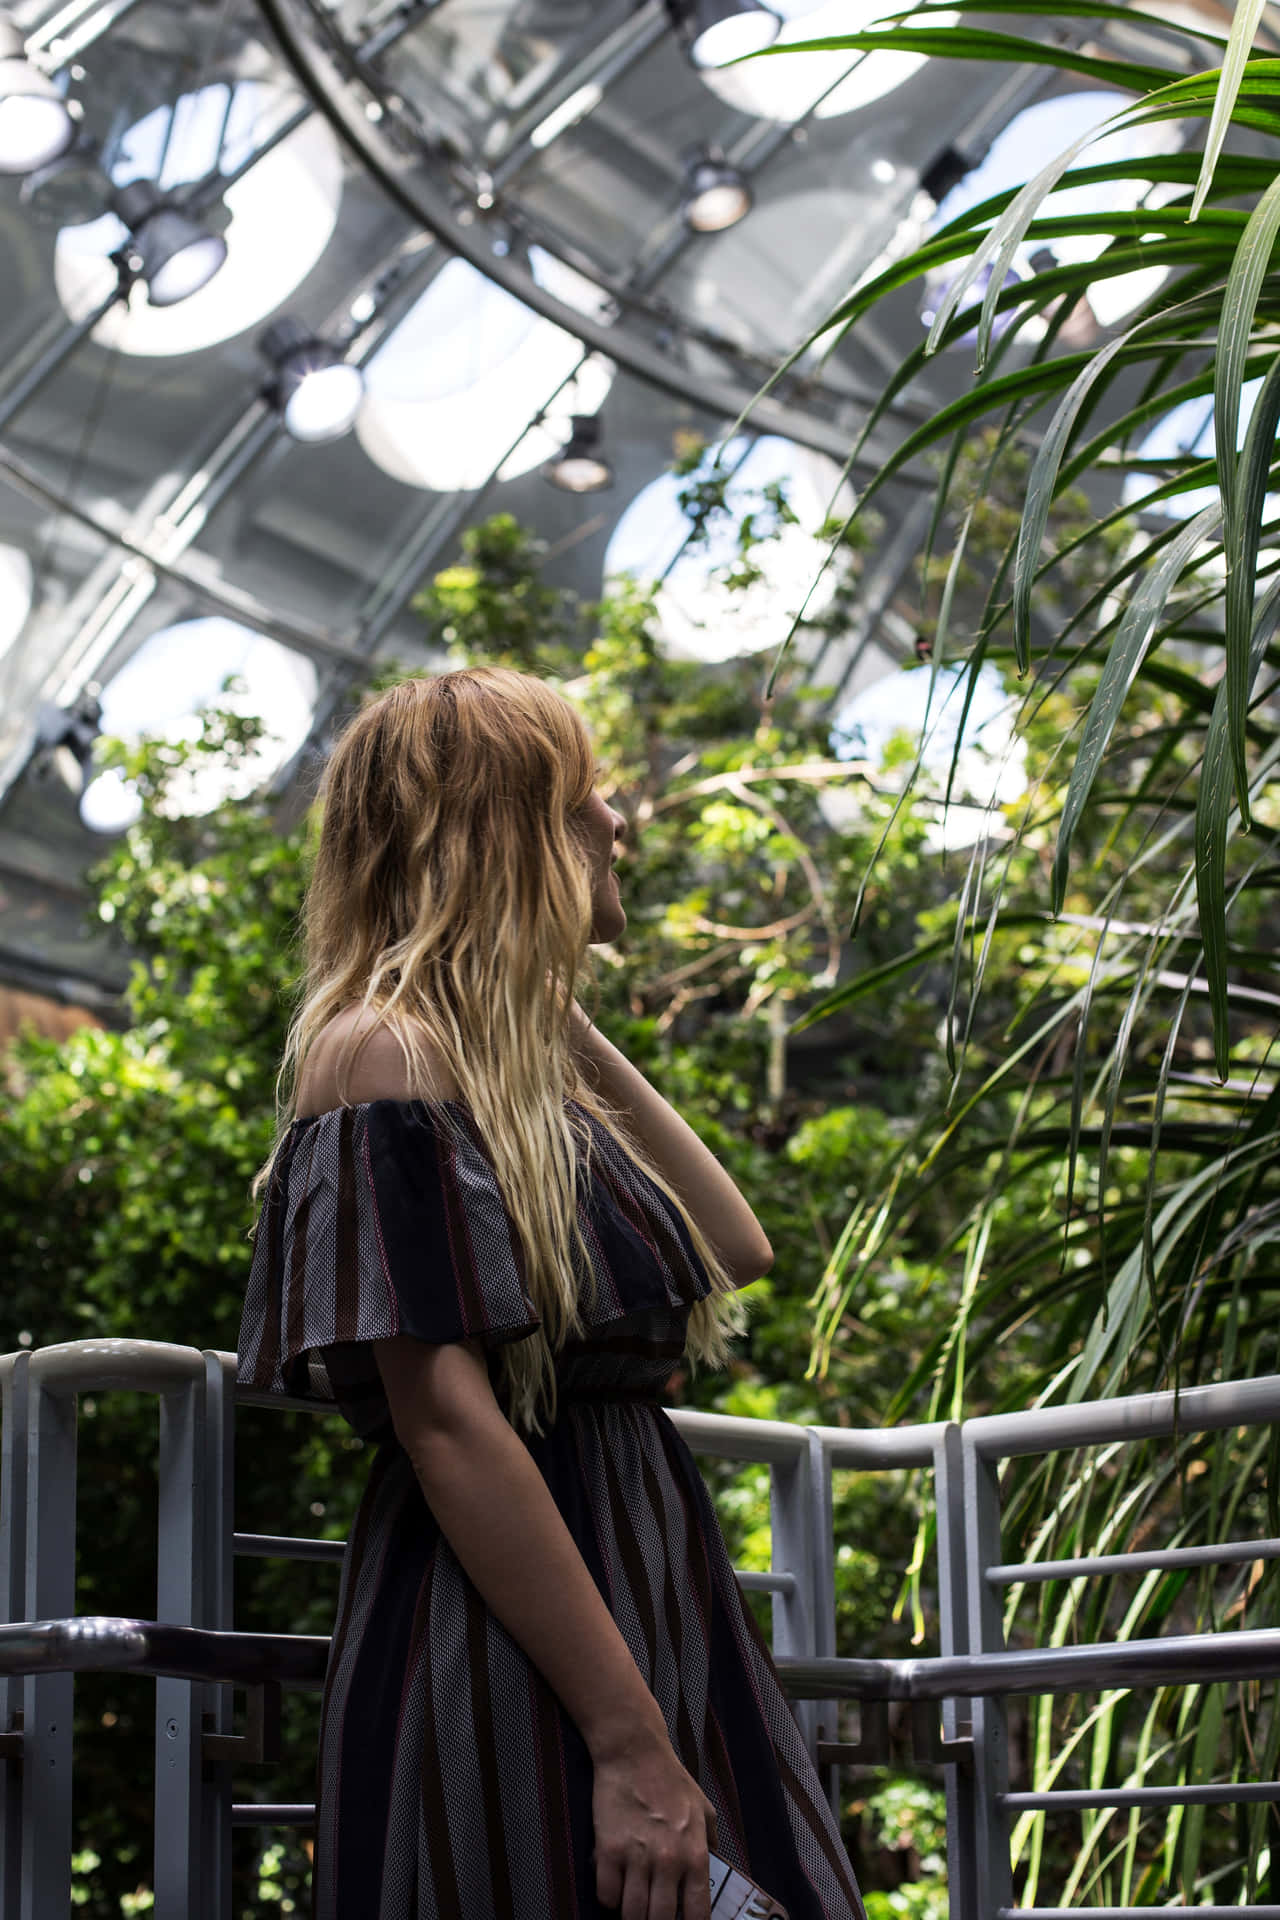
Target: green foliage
1127,1107
128,1152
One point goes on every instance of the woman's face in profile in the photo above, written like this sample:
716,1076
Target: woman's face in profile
604,827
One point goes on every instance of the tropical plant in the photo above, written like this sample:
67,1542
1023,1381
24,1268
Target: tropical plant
127,1152
1146,1029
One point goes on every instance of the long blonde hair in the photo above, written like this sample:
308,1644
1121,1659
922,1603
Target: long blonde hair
450,896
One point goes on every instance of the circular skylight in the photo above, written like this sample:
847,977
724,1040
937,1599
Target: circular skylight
15,595
1031,138
991,770
161,690
785,87
449,390
283,213
1186,432
699,617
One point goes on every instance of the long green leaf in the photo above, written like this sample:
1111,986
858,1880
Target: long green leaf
1123,661
1243,27
972,43
1239,303
1241,532
1001,243
1212,816
1072,10
1040,489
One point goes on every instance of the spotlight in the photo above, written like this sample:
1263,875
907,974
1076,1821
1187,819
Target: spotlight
64,741
177,255
716,194
36,125
579,468
946,170
316,392
717,31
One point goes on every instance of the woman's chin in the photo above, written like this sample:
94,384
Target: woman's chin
609,922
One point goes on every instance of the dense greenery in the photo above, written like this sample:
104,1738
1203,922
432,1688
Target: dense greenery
1141,1050
128,1152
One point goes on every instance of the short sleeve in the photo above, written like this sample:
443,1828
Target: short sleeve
376,1221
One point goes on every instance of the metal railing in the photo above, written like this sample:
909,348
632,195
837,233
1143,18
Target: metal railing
955,1699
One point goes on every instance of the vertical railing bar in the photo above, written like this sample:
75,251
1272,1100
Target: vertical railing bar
957,1717
13,1575
218,1699
826,1722
791,1534
180,1601
48,1699
993,1870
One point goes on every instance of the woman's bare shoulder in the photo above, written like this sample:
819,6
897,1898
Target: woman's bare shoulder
379,1070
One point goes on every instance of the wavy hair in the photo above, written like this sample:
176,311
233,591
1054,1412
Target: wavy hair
450,896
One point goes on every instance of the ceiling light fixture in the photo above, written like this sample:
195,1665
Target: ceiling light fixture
716,193
64,740
36,124
578,467
315,391
717,31
174,254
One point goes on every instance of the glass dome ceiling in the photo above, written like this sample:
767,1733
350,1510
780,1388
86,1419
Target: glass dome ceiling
479,207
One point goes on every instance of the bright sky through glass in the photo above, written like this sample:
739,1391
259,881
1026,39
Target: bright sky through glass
469,365
161,689
785,87
1029,141
699,617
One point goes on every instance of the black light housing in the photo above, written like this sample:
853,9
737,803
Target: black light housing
716,193
717,31
64,741
314,389
946,170
578,467
177,255
36,125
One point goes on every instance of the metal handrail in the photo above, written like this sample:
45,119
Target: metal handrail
110,1643
197,1659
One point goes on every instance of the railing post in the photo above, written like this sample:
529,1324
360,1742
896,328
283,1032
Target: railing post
13,1577
48,1699
792,1535
826,1713
181,1600
957,1715
55,1377
217,1715
993,1872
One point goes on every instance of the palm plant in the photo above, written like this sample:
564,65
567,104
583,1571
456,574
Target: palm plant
1173,661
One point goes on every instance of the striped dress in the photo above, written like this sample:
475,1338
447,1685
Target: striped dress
451,1783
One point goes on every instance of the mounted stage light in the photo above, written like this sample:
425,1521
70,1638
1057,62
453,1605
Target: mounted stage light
946,170
36,125
316,392
717,31
716,193
176,256
579,468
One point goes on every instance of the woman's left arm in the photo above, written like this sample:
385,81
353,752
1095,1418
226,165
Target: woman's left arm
693,1170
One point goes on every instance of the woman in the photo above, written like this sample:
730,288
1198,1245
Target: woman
489,1241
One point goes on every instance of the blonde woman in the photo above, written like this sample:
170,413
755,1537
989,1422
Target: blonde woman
489,1241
